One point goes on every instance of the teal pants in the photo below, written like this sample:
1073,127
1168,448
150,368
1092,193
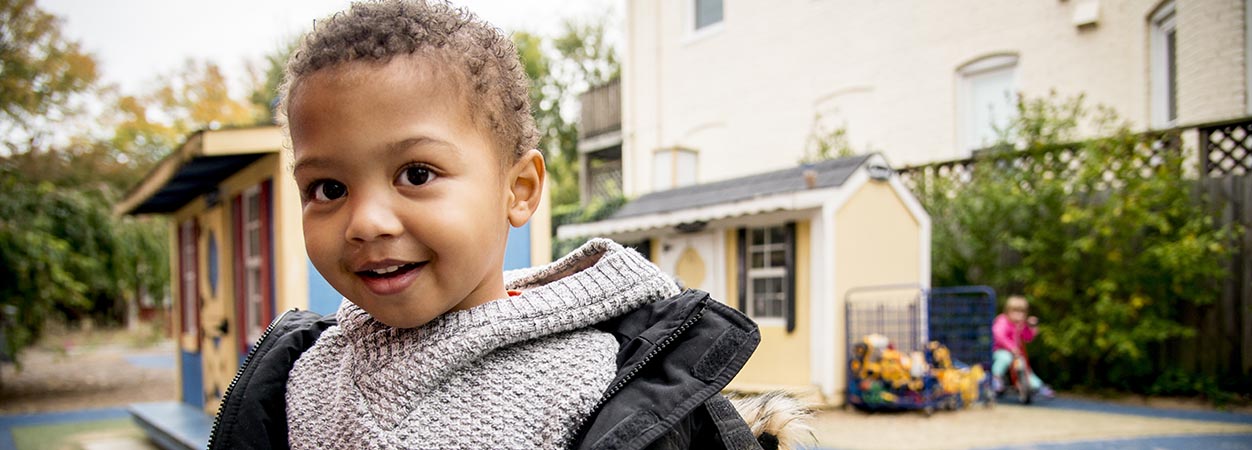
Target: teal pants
1002,359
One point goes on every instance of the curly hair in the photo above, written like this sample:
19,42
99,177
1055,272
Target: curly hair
379,30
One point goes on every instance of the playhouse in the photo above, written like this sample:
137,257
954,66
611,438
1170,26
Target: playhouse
237,256
785,247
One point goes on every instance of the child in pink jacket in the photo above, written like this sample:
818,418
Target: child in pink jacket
1012,330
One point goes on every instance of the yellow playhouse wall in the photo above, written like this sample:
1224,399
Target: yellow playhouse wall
290,269
876,243
782,359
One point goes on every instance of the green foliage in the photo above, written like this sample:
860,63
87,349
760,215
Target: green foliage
63,256
826,142
40,72
148,126
267,79
1107,237
559,69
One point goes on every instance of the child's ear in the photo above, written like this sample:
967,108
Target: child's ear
525,187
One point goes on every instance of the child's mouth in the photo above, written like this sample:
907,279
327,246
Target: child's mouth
392,279
390,272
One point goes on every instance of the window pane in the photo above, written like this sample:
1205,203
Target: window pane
686,168
254,282
991,106
254,207
758,288
662,170
758,236
1171,66
708,12
254,243
778,258
758,260
777,235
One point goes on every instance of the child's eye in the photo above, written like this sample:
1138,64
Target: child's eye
324,191
415,175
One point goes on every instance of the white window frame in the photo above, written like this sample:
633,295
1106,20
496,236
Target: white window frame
188,278
1162,24
254,298
694,33
966,75
768,272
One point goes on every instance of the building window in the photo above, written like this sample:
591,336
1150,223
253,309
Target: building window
987,101
1164,68
767,274
706,13
673,167
252,262
189,298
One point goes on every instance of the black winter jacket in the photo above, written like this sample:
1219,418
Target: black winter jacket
674,358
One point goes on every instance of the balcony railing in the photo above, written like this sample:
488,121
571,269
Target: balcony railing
601,110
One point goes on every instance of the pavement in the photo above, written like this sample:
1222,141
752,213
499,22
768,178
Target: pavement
1061,423
1047,424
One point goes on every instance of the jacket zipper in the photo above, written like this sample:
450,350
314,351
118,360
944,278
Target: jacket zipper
646,358
217,419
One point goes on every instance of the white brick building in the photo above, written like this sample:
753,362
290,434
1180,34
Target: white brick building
714,89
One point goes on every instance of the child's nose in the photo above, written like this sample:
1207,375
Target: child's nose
373,218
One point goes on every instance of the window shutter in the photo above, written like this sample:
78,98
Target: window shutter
790,279
742,256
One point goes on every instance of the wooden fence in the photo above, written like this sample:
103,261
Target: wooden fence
1223,343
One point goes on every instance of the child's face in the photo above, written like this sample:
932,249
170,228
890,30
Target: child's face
406,203
1017,315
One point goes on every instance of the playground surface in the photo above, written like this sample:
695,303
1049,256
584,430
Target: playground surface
78,399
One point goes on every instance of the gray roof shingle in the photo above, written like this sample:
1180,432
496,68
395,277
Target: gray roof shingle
830,173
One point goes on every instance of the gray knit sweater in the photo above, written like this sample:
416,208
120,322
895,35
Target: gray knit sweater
518,372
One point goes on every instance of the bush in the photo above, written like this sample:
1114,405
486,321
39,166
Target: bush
1106,236
63,256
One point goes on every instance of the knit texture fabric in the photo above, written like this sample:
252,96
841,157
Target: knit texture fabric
517,372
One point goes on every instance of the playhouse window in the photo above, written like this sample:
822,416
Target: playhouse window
190,317
768,269
253,262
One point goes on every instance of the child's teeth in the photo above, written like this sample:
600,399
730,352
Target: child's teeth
386,270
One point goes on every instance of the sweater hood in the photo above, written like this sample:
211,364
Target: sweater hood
597,282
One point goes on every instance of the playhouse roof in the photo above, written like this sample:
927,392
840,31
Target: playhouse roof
195,168
779,190
830,173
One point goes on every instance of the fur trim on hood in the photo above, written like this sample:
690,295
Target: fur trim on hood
779,421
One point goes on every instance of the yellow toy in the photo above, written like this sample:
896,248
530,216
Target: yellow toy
893,370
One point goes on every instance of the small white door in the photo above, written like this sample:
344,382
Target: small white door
696,260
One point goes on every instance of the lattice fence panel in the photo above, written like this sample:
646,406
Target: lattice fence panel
1227,149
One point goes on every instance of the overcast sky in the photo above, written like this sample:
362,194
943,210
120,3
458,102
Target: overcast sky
137,40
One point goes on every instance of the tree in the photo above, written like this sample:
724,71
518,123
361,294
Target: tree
267,78
150,125
40,74
559,69
1106,235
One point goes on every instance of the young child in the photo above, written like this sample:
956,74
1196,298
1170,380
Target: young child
1011,331
414,153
